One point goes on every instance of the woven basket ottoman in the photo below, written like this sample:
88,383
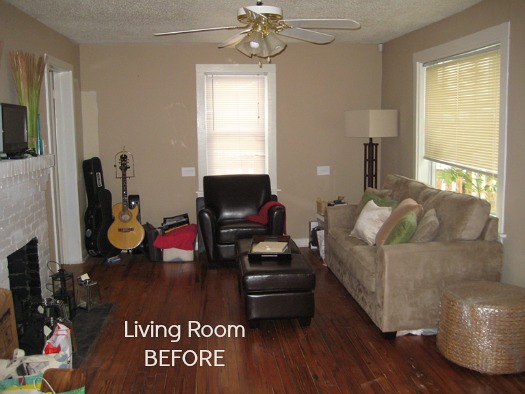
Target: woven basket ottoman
482,327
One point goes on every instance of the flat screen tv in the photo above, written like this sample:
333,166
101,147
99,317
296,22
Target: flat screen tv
13,119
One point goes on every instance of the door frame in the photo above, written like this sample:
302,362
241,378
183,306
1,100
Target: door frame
61,137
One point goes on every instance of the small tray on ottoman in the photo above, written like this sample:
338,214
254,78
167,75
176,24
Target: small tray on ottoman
270,247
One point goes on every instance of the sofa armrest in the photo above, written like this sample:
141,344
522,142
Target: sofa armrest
343,215
411,277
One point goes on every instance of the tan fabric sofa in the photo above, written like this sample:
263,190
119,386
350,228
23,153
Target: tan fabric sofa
400,285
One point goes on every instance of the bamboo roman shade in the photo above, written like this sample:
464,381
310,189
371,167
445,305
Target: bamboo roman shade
236,124
462,102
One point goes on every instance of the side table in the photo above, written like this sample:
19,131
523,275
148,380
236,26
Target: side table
314,226
482,327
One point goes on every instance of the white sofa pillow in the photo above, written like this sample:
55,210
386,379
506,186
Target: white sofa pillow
370,221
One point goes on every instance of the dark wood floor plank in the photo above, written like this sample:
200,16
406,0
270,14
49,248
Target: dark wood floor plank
340,352
319,360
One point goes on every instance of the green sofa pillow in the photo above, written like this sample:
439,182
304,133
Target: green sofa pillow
380,197
405,206
403,230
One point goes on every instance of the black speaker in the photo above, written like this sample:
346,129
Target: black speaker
134,201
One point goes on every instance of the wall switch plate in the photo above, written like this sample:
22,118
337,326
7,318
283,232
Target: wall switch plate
323,170
188,171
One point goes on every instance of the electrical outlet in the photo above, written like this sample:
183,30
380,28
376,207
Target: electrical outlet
188,171
323,170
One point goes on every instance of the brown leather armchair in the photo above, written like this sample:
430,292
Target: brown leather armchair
228,200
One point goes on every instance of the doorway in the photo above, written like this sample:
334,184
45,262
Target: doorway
66,229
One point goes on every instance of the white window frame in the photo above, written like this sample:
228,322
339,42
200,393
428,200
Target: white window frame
494,35
269,71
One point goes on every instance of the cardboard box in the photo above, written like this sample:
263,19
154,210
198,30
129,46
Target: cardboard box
321,206
8,334
174,254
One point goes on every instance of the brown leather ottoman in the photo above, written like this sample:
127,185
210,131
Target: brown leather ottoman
276,289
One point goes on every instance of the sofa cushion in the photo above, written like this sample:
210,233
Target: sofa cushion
370,221
397,222
228,231
461,216
403,187
427,227
342,242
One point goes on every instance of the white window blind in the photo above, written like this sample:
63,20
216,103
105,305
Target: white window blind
462,101
236,124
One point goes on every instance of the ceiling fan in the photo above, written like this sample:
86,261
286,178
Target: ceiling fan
261,25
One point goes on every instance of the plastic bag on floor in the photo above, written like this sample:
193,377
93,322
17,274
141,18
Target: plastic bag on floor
22,365
60,342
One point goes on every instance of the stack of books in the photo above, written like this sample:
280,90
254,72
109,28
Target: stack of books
173,222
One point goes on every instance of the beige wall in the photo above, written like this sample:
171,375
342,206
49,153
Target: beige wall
19,32
398,92
146,101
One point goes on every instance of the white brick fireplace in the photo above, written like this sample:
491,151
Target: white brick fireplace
24,215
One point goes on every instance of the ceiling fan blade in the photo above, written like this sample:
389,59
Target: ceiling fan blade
323,23
170,33
232,41
307,35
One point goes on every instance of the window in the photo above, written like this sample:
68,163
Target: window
461,116
236,120
462,96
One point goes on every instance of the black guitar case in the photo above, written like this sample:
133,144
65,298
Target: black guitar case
98,216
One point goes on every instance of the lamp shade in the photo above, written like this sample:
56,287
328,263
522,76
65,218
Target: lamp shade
371,123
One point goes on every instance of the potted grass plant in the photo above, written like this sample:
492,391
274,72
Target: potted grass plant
28,71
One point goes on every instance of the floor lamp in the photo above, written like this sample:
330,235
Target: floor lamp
375,123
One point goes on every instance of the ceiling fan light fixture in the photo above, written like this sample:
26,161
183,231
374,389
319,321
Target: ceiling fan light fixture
260,44
275,45
251,45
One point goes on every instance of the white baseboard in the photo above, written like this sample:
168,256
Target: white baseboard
302,242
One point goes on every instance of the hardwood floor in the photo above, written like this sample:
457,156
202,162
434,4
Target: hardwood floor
341,352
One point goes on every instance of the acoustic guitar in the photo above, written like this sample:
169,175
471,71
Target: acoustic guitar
125,232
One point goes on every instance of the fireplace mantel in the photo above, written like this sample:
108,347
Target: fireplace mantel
13,168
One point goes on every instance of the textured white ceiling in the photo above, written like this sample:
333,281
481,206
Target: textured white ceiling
135,21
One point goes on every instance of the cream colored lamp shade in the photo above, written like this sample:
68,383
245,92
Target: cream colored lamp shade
371,123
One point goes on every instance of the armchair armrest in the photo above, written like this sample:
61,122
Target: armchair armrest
411,277
276,220
207,226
